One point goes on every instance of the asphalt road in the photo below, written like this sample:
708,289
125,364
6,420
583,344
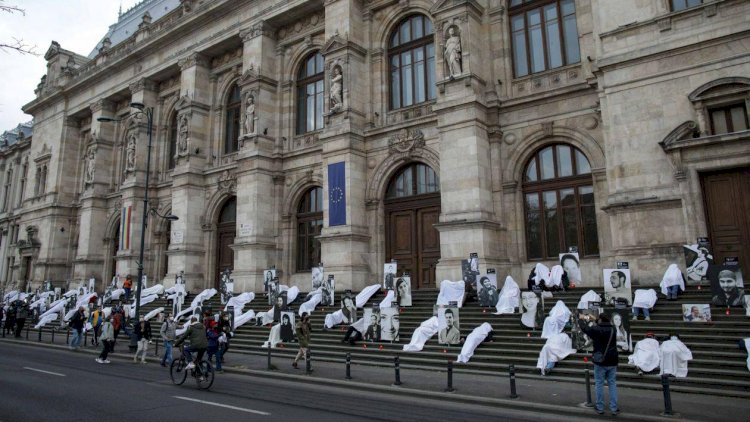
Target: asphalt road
38,384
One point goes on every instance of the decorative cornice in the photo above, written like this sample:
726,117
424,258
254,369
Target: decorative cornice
195,59
142,84
102,105
258,29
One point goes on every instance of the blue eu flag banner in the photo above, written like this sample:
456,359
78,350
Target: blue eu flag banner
337,194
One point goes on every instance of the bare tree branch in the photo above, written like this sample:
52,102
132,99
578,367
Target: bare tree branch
18,45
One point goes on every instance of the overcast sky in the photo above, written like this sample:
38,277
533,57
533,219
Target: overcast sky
76,24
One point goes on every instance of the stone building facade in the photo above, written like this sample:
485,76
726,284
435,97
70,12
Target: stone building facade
510,128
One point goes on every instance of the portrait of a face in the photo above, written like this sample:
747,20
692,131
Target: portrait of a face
726,285
617,285
570,263
389,324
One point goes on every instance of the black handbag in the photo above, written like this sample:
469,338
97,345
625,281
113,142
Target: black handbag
598,357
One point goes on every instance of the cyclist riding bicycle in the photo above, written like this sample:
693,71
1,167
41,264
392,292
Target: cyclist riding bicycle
196,334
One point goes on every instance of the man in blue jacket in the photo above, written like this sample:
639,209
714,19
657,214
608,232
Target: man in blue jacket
605,347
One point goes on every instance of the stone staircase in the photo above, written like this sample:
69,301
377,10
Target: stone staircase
718,366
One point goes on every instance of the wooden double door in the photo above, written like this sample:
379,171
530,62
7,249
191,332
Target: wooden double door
411,238
727,203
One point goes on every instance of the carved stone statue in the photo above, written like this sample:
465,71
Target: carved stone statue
90,166
250,115
452,53
336,94
182,137
130,154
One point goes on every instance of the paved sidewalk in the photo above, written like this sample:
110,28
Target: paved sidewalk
544,395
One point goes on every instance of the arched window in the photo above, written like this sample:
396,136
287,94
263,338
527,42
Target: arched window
232,134
310,95
559,203
309,225
415,179
172,150
411,58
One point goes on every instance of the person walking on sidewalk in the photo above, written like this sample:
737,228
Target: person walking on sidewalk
605,359
167,333
76,323
107,337
304,329
95,319
22,311
143,335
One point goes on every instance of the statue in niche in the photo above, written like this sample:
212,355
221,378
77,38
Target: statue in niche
452,53
130,154
90,166
336,93
250,115
182,136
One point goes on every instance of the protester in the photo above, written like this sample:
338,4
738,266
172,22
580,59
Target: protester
212,335
557,348
225,327
643,301
107,337
10,320
143,335
304,329
538,277
127,285
509,297
558,279
95,319
167,332
76,323
674,357
672,282
118,320
196,334
555,322
605,359
22,311
645,355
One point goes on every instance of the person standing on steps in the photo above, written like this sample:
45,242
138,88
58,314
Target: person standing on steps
304,329
605,359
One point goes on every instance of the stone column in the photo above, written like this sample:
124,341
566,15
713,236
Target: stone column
345,248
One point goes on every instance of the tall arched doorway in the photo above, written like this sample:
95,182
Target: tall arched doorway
226,229
412,207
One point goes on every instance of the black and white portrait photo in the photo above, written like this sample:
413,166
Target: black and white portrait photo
348,307
403,290
697,261
469,276
372,319
287,327
317,277
449,329
696,312
279,306
570,264
474,263
581,341
327,290
533,311
487,289
268,275
747,305
273,291
390,323
389,275
617,285
727,288
621,323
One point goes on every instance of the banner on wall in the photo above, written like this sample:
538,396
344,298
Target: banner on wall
125,227
337,194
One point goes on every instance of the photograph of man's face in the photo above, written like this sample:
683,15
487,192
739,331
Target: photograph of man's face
728,281
617,279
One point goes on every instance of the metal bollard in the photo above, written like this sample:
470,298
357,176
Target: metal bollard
512,375
85,338
667,396
450,377
156,349
3,330
53,335
308,362
588,403
67,336
270,367
348,366
27,331
40,334
398,371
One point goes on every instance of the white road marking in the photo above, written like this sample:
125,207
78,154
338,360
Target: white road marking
257,412
44,372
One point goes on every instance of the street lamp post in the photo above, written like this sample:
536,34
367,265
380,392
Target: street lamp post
149,113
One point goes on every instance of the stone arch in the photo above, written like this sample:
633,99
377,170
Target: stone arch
112,224
699,92
169,108
522,152
386,169
297,190
395,15
298,55
224,89
214,206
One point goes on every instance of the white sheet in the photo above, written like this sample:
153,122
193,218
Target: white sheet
266,317
644,298
557,348
508,301
197,302
541,273
239,302
424,332
360,325
366,294
476,337
242,319
180,331
154,313
310,305
645,355
274,337
292,294
117,293
156,289
451,291
528,318
389,298
555,277
334,319
747,347
672,277
555,322
674,357
589,296
47,318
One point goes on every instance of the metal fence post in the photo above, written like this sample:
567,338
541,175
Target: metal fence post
587,375
308,362
397,368
512,375
667,396
450,377
348,366
53,335
40,334
270,367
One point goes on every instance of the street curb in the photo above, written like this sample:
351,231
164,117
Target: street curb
401,391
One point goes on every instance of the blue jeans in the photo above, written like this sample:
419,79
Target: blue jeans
610,373
75,339
167,359
646,312
672,291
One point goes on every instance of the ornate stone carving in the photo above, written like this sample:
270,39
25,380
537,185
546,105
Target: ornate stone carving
183,135
101,105
452,53
130,153
195,59
142,84
302,25
90,166
228,182
336,93
510,138
547,128
257,30
249,124
406,141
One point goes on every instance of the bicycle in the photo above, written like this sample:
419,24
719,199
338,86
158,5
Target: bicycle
203,372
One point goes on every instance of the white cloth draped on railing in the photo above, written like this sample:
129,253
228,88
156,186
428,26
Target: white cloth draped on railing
451,291
474,339
508,301
424,332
